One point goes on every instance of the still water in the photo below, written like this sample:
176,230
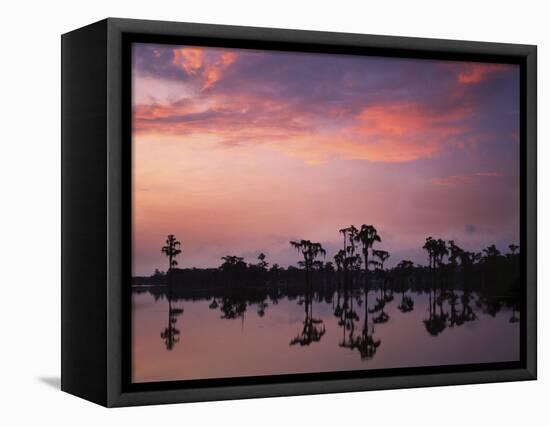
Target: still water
189,339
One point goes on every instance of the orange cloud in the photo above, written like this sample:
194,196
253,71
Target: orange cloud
231,120
404,132
190,59
475,73
391,132
209,68
213,72
157,117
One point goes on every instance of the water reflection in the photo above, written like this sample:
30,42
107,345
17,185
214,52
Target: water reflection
377,316
364,343
452,308
170,334
313,329
346,323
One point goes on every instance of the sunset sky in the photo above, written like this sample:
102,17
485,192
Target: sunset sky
240,151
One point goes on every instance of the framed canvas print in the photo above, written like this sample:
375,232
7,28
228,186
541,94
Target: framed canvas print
253,212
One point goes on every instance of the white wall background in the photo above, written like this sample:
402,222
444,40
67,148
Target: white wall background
30,211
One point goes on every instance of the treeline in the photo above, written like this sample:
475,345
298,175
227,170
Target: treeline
454,279
358,264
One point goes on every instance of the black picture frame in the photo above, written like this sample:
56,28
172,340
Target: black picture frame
96,216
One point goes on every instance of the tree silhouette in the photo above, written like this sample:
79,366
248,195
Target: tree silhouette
313,329
310,251
440,251
382,255
349,234
455,253
351,261
437,250
404,271
339,259
234,269
491,251
262,264
171,250
429,246
232,261
494,274
367,236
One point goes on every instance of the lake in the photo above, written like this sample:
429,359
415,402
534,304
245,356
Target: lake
197,339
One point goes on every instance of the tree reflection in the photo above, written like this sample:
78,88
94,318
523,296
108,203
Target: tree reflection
232,308
467,313
514,318
171,334
313,329
364,343
262,306
437,318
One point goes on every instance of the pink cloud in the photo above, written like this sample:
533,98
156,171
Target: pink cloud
190,59
474,73
401,132
213,72
209,67
389,132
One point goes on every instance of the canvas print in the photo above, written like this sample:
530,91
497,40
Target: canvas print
310,212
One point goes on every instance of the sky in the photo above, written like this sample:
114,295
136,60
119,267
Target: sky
239,151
